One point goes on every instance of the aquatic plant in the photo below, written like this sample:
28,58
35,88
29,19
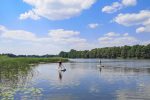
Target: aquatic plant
21,92
7,62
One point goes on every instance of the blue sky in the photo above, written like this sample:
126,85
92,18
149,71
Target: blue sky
50,26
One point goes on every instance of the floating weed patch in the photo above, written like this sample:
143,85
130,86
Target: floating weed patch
21,92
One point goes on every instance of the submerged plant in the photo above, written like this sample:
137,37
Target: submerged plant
21,92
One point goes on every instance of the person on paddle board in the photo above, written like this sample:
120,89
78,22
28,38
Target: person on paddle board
100,61
61,67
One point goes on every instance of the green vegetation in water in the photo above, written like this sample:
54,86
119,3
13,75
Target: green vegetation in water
6,61
15,73
24,93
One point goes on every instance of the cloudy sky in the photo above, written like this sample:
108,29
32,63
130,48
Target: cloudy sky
50,26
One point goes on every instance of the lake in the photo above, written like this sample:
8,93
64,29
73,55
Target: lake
83,80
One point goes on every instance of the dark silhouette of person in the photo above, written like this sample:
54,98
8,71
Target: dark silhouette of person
61,67
60,76
100,61
60,64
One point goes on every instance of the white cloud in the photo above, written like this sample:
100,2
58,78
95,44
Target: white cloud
112,34
118,5
30,14
117,40
134,18
113,8
24,42
56,9
61,33
140,29
145,29
66,36
146,42
129,2
2,28
142,18
19,34
104,39
93,25
16,34
126,34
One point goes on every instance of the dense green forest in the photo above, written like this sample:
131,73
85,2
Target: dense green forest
136,51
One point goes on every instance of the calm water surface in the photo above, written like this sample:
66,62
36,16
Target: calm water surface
83,80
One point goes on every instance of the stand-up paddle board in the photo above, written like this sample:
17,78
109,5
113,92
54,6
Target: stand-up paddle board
63,70
100,66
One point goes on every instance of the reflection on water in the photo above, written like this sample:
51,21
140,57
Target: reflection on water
60,74
84,79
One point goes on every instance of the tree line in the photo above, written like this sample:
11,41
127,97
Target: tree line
34,56
135,51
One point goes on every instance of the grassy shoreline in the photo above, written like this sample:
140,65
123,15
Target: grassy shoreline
6,61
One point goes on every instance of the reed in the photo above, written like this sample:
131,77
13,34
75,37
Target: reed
6,61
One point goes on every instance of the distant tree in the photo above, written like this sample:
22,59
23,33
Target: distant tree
146,51
124,51
92,53
138,51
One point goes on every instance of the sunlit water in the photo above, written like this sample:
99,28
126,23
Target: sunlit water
83,80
